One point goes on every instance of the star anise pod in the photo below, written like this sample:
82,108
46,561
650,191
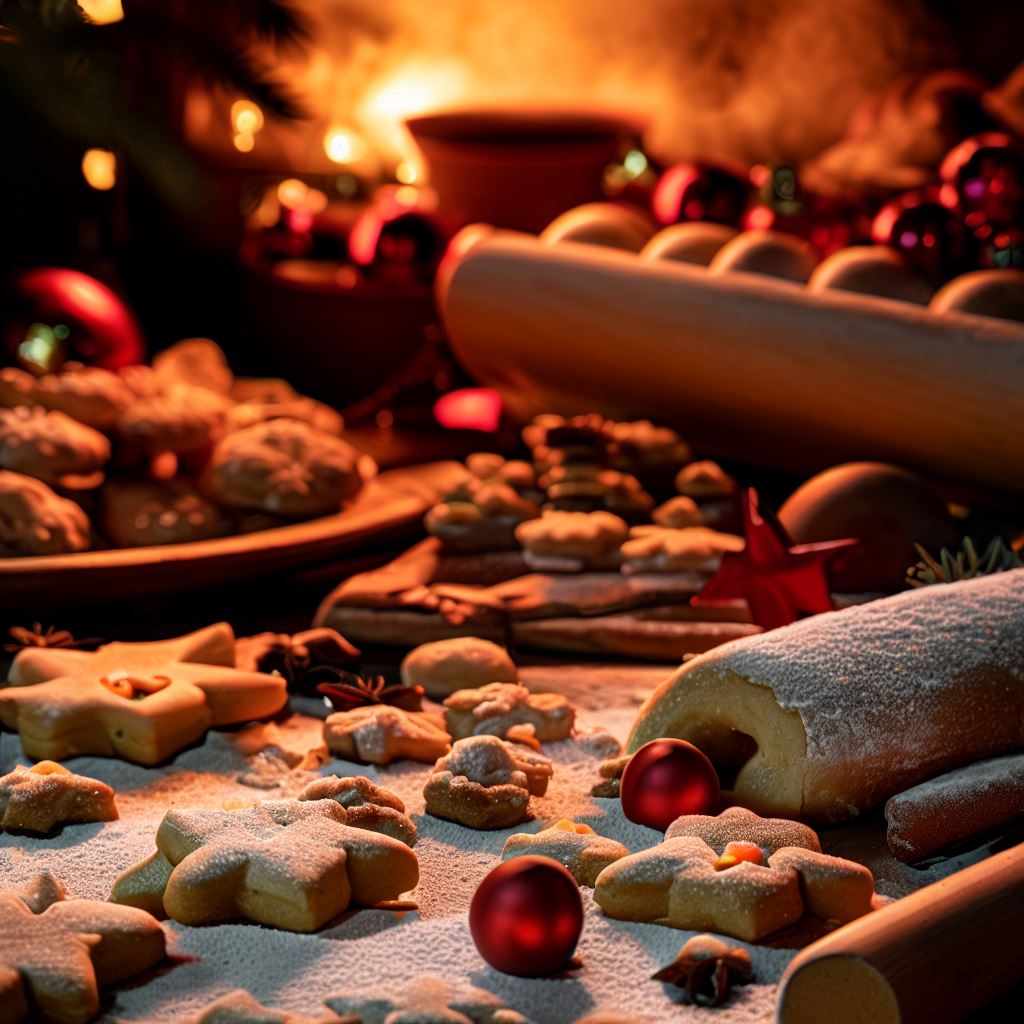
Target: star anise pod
706,970
305,659
353,691
49,637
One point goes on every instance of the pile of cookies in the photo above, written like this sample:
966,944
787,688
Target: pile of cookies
163,454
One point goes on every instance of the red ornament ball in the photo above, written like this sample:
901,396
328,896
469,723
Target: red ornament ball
407,246
526,916
984,176
56,314
699,191
665,779
927,233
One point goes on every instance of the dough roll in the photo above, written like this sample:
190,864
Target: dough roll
834,714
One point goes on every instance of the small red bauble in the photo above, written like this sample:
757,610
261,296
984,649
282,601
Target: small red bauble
928,234
665,779
406,246
526,916
984,177
699,191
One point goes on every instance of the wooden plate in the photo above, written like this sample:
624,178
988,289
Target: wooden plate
390,506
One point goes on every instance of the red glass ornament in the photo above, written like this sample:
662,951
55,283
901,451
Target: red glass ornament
56,314
984,177
665,779
927,232
778,579
526,916
699,191
405,246
469,409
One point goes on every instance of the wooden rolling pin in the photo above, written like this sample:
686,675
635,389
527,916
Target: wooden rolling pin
750,366
930,958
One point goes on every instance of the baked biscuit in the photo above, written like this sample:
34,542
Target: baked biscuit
702,480
52,447
240,1007
832,888
143,512
641,444
575,846
89,394
496,708
611,777
486,783
572,541
484,520
460,663
47,795
181,418
54,963
288,864
380,734
366,804
308,410
198,362
678,513
737,824
659,549
36,521
286,468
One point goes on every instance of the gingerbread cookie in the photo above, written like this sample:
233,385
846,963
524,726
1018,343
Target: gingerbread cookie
678,513
54,963
366,804
307,410
52,447
486,783
40,891
36,521
483,516
641,445
140,702
464,662
574,845
380,734
198,362
89,394
496,708
47,795
659,549
182,418
240,1007
286,468
149,512
703,480
289,864
737,824
572,541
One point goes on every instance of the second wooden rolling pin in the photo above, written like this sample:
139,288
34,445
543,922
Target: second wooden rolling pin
930,958
747,365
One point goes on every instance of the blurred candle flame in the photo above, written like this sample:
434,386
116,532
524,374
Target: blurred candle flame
99,168
102,12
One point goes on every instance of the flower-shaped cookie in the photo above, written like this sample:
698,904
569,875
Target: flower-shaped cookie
572,541
380,734
40,798
366,804
140,702
486,783
662,549
736,874
574,845
498,707
53,964
289,864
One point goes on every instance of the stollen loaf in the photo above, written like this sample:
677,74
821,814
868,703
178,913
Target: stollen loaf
832,715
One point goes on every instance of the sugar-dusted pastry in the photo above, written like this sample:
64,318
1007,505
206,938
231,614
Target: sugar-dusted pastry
706,479
54,963
34,520
286,468
89,394
486,783
574,845
366,804
198,362
181,418
51,446
240,1007
678,513
47,795
140,513
380,734
662,549
834,714
427,1000
737,824
289,864
444,666
832,888
572,541
611,777
957,806
140,702
496,708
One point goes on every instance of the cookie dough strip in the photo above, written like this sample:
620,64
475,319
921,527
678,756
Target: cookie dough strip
935,955
738,361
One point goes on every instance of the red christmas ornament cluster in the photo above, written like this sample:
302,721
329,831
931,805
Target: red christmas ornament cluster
927,233
665,779
695,191
400,246
778,579
526,916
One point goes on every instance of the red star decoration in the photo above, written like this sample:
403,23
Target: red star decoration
779,580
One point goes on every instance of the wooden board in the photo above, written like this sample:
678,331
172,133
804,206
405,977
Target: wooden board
389,507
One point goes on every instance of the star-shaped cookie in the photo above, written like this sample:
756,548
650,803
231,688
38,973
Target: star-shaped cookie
140,702
380,734
240,1007
40,798
575,846
289,864
53,964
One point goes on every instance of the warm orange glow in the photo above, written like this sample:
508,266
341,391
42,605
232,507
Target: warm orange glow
102,12
99,168
406,172
291,193
246,117
469,409
244,141
344,146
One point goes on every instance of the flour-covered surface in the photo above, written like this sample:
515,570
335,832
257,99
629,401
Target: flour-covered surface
375,953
